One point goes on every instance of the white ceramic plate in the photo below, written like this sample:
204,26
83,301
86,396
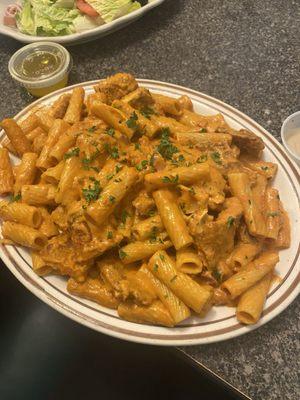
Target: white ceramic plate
220,323
82,37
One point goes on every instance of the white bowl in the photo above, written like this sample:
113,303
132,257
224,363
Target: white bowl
290,123
82,37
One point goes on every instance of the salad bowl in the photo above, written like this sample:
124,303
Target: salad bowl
78,37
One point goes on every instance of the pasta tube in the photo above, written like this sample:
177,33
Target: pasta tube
26,171
46,121
156,313
181,175
250,274
93,289
284,235
241,188
251,302
168,104
53,175
273,213
113,117
140,250
197,297
64,143
35,133
144,229
59,107
243,254
188,261
74,110
58,128
65,194
23,235
39,266
112,194
16,136
176,307
30,123
20,213
7,145
48,227
172,218
39,143
6,173
38,195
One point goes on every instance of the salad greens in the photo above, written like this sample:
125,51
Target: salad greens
63,17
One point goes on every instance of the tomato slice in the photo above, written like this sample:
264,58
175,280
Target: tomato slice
85,8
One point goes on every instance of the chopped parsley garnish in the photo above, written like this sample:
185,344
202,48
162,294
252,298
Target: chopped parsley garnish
109,235
230,221
87,161
216,157
124,216
113,151
137,146
202,159
155,268
203,130
264,168
118,180
110,132
93,191
217,275
172,179
273,214
162,257
96,169
122,254
173,279
142,165
192,191
84,207
72,153
118,168
109,177
15,198
147,112
92,129
250,202
165,148
112,199
151,213
131,122
153,234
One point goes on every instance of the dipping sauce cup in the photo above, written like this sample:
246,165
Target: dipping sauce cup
290,135
41,67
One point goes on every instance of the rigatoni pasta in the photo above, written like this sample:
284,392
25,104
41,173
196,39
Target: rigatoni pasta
145,206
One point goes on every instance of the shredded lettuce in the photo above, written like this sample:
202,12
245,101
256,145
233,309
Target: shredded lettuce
112,9
44,17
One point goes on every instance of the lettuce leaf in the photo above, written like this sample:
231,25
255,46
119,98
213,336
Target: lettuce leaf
43,17
112,9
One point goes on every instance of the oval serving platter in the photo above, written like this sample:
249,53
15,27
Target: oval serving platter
220,323
80,37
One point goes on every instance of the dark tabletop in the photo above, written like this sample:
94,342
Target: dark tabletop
247,54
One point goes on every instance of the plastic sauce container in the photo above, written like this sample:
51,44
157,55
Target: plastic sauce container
41,67
290,135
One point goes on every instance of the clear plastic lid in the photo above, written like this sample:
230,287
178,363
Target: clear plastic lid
40,64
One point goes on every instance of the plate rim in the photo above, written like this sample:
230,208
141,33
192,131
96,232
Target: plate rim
210,337
90,34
